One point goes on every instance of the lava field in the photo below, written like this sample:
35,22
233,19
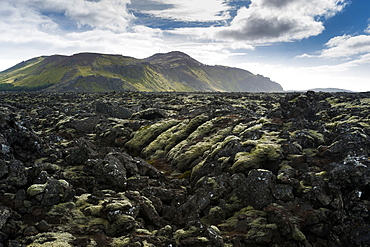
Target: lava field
184,169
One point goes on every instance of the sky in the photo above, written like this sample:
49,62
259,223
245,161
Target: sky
298,43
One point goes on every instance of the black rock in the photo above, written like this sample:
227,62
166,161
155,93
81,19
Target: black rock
112,111
43,226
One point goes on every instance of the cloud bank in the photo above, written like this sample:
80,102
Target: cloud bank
269,21
180,10
262,21
346,46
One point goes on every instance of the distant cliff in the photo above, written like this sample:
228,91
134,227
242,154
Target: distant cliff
93,72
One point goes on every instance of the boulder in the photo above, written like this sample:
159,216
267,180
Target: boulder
263,155
112,110
259,185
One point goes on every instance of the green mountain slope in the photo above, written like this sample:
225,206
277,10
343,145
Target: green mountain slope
92,72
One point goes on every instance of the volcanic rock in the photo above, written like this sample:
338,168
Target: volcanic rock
184,169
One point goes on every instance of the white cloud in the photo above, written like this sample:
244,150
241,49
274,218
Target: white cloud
269,21
367,30
192,10
16,15
140,43
305,55
211,54
361,60
241,45
267,26
346,46
103,14
280,20
20,24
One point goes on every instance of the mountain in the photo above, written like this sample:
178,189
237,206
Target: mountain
331,90
93,72
324,90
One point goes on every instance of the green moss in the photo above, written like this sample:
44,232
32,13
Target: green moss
269,152
123,223
240,128
122,204
52,239
194,152
183,234
196,169
298,235
244,161
121,242
183,158
98,222
36,189
206,140
309,151
261,153
147,134
202,130
221,145
94,210
166,141
51,244
82,200
303,188
321,174
365,123
318,136
256,233
249,211
185,175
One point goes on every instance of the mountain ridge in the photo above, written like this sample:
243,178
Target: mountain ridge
323,90
96,72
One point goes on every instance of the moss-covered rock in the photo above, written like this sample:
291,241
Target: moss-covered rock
298,234
260,156
195,137
247,212
93,210
36,189
147,134
122,224
195,152
53,239
165,139
121,242
261,232
308,138
252,224
183,234
171,137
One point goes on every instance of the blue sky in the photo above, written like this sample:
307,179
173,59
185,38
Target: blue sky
298,43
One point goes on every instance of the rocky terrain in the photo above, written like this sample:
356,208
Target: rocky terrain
179,169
